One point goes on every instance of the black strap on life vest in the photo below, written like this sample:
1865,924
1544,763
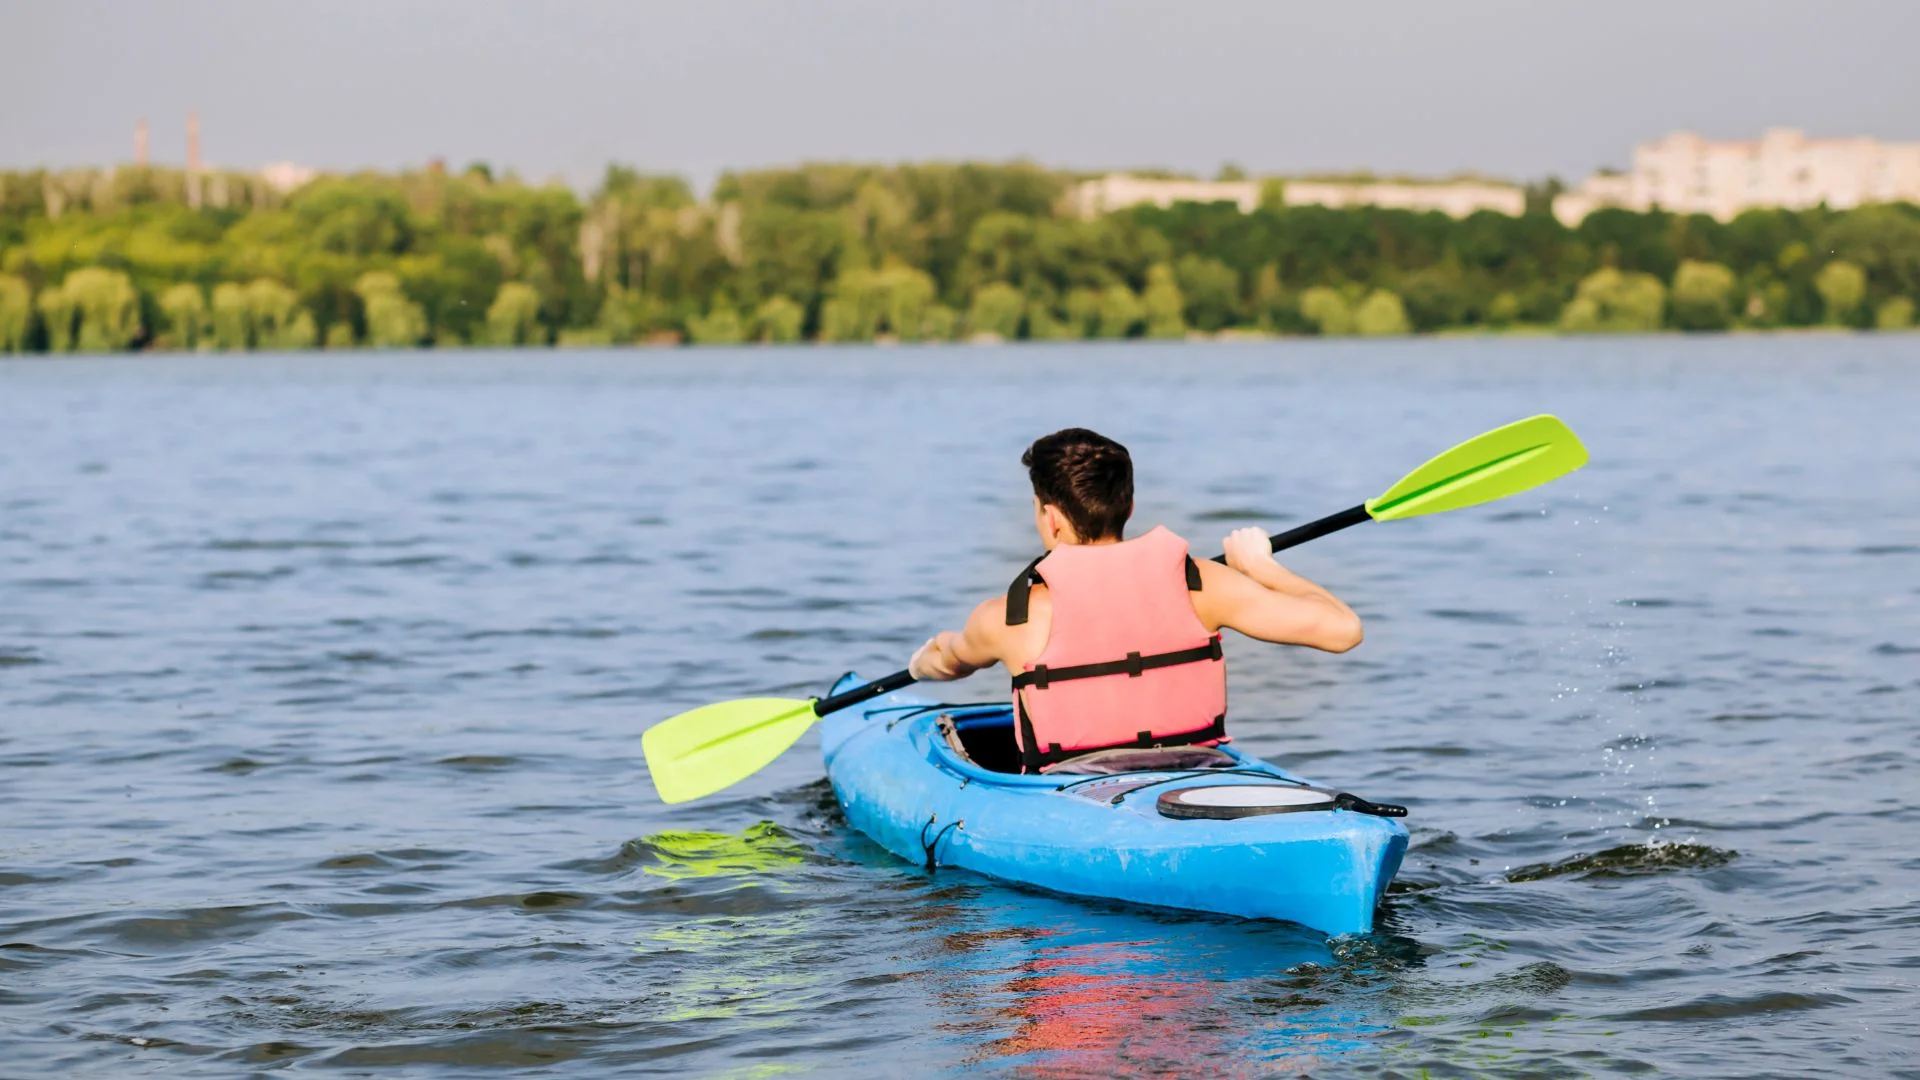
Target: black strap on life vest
1132,665
1033,759
1019,592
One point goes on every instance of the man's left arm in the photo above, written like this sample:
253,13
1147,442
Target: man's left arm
952,654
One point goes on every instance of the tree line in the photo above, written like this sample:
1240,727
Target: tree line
135,258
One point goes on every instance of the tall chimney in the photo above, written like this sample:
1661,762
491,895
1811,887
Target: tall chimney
193,142
140,143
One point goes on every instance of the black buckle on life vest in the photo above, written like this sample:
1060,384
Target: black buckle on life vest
1134,663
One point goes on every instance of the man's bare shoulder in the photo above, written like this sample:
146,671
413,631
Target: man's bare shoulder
1014,646
1223,590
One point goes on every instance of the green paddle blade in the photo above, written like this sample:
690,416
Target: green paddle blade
713,747
1503,462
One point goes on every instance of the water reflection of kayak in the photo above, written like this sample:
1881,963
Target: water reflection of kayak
1234,834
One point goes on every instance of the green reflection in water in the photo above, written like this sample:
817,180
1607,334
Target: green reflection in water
746,965
761,849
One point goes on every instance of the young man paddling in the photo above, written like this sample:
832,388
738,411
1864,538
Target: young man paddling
1115,643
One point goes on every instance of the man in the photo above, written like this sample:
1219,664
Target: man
1115,643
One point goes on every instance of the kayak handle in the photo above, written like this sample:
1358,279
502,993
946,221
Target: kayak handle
1313,530
1347,801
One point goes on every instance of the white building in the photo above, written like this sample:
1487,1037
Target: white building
284,176
1687,174
1455,198
1117,191
1458,198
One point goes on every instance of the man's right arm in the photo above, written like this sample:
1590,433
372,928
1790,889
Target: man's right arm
1257,596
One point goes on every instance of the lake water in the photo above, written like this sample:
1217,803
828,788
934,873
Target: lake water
322,680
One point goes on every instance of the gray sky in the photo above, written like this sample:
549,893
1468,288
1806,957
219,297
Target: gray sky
1520,88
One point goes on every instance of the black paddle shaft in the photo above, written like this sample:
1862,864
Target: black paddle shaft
900,680
1313,530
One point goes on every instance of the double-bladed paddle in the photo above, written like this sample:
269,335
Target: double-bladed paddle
711,748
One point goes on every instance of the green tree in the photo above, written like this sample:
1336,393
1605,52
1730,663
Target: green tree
1211,291
1702,296
1381,314
1842,286
1083,312
301,333
185,309
276,318
1610,301
58,312
1436,297
1326,311
1631,241
939,323
514,316
996,310
1274,308
340,336
393,321
905,296
1120,312
628,315
16,313
1883,241
778,320
1163,304
1504,311
894,300
106,306
1896,313
232,322
720,326
1044,325
843,318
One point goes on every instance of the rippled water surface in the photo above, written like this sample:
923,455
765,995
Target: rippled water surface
322,680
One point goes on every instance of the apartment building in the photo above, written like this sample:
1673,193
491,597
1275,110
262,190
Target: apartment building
1687,174
1455,198
1118,191
1458,198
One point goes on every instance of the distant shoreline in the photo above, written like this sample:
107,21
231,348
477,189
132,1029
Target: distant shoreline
131,259
883,344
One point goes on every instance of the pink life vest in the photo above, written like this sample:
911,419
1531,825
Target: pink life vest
1127,662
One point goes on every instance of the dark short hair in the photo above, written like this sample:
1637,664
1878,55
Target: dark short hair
1087,475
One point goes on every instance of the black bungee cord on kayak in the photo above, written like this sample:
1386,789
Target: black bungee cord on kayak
1178,775
931,847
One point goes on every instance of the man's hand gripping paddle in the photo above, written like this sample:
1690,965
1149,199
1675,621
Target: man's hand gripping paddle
708,749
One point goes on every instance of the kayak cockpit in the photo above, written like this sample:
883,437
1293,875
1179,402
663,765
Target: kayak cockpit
983,738
976,741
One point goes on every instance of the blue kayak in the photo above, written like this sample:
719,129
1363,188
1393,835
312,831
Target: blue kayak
1202,829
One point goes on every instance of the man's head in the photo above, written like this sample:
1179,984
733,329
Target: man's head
1082,487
